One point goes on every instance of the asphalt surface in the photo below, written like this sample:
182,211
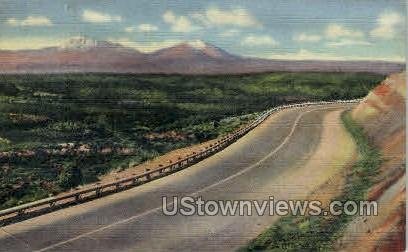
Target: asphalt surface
133,220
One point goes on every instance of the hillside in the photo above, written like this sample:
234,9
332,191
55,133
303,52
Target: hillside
382,116
382,112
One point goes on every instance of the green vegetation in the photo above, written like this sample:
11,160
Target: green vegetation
58,131
70,177
317,233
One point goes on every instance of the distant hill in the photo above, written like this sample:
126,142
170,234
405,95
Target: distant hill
87,55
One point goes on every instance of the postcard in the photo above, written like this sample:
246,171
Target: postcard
186,125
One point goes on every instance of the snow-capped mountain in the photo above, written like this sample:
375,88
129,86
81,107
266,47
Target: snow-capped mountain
197,49
79,42
83,54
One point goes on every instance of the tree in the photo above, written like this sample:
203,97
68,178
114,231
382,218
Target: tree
8,89
71,176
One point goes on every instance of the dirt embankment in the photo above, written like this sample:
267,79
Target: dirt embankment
382,115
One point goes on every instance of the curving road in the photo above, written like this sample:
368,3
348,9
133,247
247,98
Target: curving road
255,167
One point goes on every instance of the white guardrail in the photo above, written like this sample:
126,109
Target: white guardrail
57,202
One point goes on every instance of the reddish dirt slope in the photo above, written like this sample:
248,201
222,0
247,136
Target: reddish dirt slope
382,115
382,112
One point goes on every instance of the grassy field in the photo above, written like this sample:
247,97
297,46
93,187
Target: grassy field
318,233
58,131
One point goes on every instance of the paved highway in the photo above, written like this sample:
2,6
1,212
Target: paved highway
263,163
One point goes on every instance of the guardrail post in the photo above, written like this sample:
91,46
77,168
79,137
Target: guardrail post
98,192
20,212
148,177
134,181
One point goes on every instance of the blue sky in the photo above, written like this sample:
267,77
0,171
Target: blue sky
283,29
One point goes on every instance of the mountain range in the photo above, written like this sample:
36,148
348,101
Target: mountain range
86,55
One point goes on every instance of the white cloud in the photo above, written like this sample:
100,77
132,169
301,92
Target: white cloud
147,28
334,31
130,29
26,43
13,22
99,17
259,40
235,17
304,54
142,28
230,33
387,24
348,42
146,47
178,23
304,37
30,21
